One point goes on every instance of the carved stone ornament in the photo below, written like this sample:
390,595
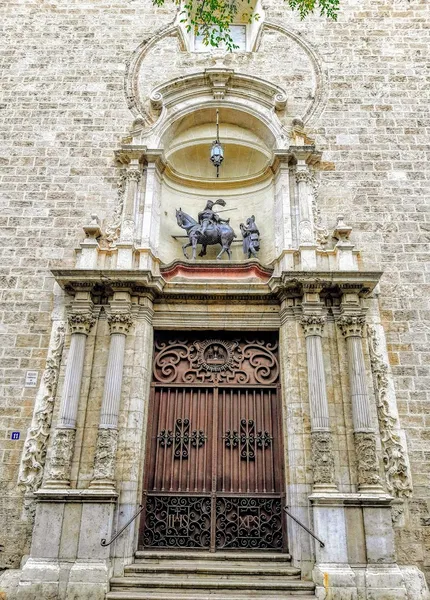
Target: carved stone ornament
120,322
397,473
321,232
114,227
104,460
35,447
60,460
351,325
302,176
306,235
216,360
312,324
81,322
133,175
367,459
322,457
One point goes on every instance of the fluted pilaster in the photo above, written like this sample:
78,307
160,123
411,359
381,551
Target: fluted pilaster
306,235
364,434
63,441
321,438
72,381
107,437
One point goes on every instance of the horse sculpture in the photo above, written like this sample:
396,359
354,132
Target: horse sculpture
219,233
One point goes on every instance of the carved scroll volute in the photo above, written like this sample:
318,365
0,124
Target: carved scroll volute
216,361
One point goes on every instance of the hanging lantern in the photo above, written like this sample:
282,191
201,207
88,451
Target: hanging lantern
217,151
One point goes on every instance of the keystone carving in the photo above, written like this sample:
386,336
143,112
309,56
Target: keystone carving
81,322
322,457
35,447
367,459
397,473
104,460
120,322
312,324
351,325
60,460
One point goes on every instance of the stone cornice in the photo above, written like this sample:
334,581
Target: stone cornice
214,280
75,495
294,282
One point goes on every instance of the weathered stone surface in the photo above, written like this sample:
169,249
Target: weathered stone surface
64,112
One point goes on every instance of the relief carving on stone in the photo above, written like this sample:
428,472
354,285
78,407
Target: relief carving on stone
114,227
322,457
60,460
351,325
104,460
120,322
397,473
313,324
35,447
367,458
321,232
81,322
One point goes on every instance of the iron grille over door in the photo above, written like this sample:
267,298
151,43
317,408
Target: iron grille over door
214,452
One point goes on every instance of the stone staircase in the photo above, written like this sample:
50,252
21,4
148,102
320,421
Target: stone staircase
187,575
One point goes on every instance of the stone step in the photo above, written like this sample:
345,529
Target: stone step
187,556
167,583
204,568
207,595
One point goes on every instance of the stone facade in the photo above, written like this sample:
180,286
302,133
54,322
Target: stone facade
338,116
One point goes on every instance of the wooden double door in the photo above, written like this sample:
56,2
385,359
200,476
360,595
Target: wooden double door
214,455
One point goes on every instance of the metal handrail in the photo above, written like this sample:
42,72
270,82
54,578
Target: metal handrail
304,527
104,543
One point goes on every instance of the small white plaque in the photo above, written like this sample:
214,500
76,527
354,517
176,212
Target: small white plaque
31,378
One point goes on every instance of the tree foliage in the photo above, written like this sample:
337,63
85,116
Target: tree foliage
212,18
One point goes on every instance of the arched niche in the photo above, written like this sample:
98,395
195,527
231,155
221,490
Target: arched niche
189,178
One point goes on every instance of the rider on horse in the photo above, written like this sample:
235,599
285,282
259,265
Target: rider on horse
209,217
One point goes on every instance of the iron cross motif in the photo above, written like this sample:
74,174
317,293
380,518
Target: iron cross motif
248,438
182,437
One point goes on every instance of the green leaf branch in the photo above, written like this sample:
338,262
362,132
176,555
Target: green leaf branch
212,19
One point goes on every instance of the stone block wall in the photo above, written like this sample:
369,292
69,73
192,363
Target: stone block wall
63,111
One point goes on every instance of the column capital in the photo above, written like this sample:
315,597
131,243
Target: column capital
313,324
351,325
81,322
133,174
120,322
302,176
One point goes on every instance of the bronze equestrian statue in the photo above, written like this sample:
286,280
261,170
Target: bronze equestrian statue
209,230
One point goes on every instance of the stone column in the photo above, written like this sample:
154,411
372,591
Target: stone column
126,241
283,217
351,326
307,243
151,210
321,437
107,437
80,322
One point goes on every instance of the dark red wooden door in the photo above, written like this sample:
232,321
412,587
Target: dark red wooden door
213,469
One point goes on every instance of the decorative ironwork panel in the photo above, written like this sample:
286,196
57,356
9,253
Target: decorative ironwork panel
248,454
252,523
249,440
177,522
221,361
180,457
183,438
